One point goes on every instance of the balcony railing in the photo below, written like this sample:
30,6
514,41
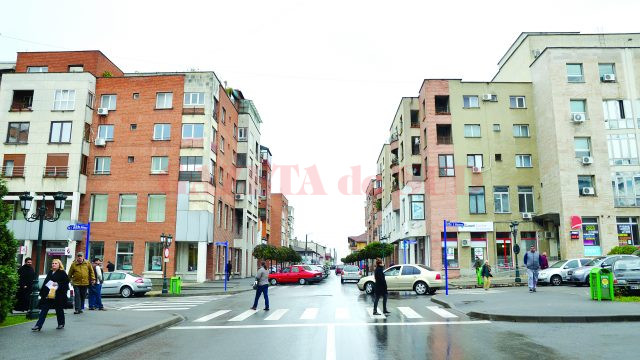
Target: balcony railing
12,171
20,106
393,137
214,147
627,201
445,140
192,143
56,171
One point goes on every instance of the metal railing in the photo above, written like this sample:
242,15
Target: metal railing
12,171
56,171
446,140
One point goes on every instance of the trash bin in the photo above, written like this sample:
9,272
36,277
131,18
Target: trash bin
601,284
479,276
176,285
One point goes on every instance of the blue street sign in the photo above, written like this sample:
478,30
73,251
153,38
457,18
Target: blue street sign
77,227
455,224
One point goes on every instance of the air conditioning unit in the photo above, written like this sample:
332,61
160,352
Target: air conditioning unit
587,160
239,196
100,142
588,191
608,77
103,111
578,117
476,170
465,242
548,235
527,216
487,97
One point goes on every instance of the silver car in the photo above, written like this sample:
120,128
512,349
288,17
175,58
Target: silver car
580,276
350,273
124,284
556,274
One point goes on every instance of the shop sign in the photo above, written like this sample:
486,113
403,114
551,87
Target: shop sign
451,255
476,227
478,253
575,235
624,234
56,251
590,235
592,251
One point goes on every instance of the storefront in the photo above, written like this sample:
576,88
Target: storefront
478,247
627,228
451,255
591,236
527,240
503,250
55,250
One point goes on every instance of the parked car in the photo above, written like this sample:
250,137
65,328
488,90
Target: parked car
556,274
350,273
322,269
339,269
125,284
580,276
332,267
70,293
626,273
301,274
417,277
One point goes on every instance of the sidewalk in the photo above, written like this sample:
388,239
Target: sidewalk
500,279
548,304
215,287
83,336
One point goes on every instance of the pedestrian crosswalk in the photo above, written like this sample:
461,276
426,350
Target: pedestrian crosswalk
171,304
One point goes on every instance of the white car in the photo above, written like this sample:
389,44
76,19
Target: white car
350,273
124,284
556,274
408,277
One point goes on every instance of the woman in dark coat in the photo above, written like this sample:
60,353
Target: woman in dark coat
59,278
26,275
380,289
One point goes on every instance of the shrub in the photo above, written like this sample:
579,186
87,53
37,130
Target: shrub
623,250
8,266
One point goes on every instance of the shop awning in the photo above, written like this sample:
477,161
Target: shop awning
541,219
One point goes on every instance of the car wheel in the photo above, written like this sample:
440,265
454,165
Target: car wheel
126,292
273,282
368,288
421,288
556,280
302,281
341,281
432,291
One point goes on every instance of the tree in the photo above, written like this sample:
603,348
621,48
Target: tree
8,266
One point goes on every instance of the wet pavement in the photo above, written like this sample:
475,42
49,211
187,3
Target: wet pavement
334,321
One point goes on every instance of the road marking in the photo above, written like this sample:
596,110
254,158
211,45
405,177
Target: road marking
277,314
211,316
309,314
299,286
244,315
442,312
160,309
330,353
342,313
370,312
409,313
421,323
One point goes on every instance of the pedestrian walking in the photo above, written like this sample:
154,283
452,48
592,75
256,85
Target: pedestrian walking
477,265
228,270
262,287
486,274
95,290
81,275
544,262
532,261
26,275
53,294
110,266
380,289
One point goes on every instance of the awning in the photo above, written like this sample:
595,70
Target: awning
541,219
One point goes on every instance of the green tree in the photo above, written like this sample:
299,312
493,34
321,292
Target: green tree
623,250
8,266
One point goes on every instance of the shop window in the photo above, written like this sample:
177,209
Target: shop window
154,257
124,256
451,255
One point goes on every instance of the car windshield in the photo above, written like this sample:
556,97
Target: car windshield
351,268
595,262
308,268
558,264
631,264
425,267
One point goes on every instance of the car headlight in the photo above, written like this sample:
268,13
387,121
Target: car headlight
622,282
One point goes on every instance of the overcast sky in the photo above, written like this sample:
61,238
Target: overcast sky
326,76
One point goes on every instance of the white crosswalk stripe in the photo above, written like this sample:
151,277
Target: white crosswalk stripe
276,315
244,315
442,312
309,314
370,312
211,316
168,304
342,313
409,313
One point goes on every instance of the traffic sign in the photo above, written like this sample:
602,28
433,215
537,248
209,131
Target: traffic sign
76,227
455,224
166,253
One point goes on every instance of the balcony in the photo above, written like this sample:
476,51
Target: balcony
626,201
22,100
56,172
442,105
395,199
9,172
393,141
444,136
192,143
193,111
214,147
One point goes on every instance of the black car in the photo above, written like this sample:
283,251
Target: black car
626,274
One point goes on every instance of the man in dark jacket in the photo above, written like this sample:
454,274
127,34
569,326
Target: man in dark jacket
228,270
380,289
26,275
110,266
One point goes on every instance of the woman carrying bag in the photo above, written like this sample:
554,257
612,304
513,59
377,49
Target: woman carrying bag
53,294
486,274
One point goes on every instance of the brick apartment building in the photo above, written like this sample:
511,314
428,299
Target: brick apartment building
279,220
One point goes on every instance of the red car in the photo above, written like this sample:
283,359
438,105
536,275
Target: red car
301,274
339,269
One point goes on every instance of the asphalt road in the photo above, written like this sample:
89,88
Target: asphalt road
334,321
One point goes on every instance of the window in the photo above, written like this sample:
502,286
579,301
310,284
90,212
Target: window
127,208
226,216
18,133
410,270
190,168
476,200
606,69
219,212
164,100
590,231
414,118
415,145
194,98
501,199
474,160
102,165
57,165
520,130
133,127
617,114
37,69
525,199
22,100
76,68
90,99
517,102
216,105
192,131
235,131
578,106
131,159
626,189
442,104
159,164
445,165
523,161
241,186
623,149
135,96
96,250
155,208
574,73
60,132
451,255
471,130
161,131
154,256
220,175
470,101
124,256
84,160
416,169
108,101
242,134
221,144
417,207
98,211
582,146
585,181
496,127
105,132
64,100
443,133
241,160
224,115
498,157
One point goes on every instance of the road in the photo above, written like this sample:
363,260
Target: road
334,321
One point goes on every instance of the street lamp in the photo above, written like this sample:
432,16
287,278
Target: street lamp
516,248
39,215
165,240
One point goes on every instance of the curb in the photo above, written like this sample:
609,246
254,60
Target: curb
442,303
116,341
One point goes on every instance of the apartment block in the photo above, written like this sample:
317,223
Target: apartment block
265,195
279,220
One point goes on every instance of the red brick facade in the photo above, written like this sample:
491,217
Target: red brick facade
93,61
279,204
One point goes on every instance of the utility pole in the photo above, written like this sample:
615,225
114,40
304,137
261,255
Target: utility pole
306,255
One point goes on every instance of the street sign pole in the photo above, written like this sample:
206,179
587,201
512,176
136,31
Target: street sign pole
404,250
86,246
226,256
446,261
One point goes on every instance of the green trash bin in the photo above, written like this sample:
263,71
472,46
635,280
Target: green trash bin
601,284
479,276
176,285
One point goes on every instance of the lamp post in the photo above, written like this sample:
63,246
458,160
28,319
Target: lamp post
39,215
165,240
516,247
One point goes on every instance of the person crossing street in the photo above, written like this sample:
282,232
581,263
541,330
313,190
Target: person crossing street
532,261
380,289
262,287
